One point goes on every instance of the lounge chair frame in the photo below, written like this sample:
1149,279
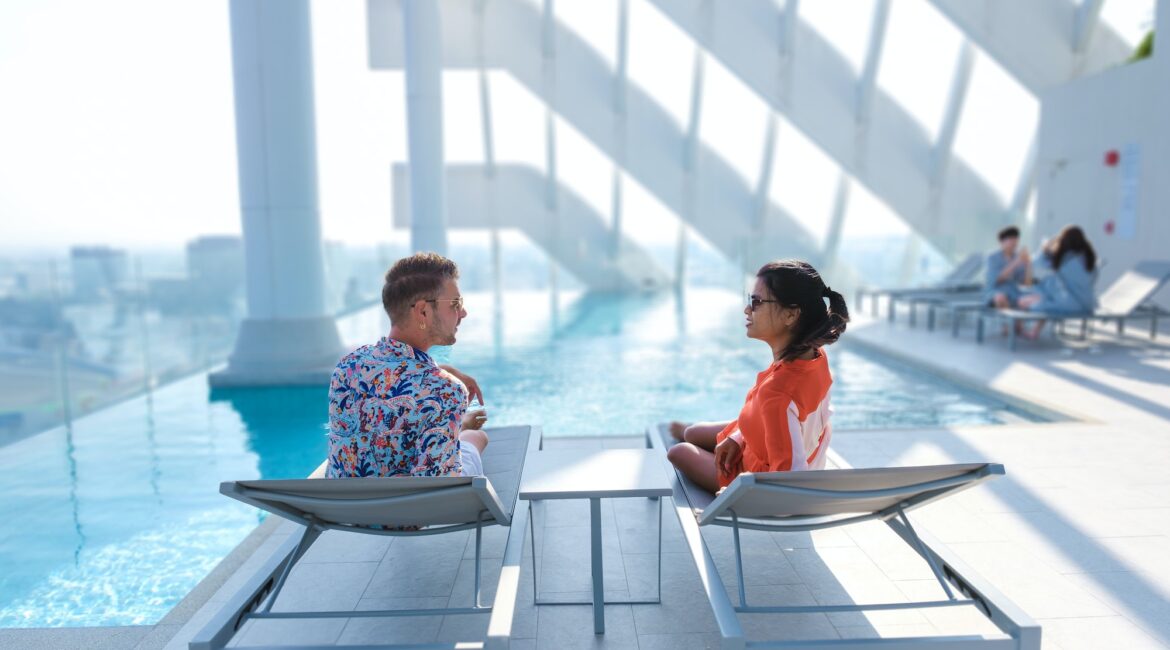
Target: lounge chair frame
958,280
1013,316
1022,633
1127,298
256,598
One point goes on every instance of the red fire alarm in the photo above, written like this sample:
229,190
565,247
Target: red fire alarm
1112,157
1109,227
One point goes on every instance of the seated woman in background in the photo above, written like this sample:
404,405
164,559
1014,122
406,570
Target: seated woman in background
1069,268
784,423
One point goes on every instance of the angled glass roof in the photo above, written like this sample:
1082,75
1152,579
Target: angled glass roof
361,114
846,26
1131,19
997,127
918,63
733,120
662,64
804,179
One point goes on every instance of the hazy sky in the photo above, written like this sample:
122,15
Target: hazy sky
117,120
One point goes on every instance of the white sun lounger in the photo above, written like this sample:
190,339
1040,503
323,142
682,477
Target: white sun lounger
396,506
1128,297
813,500
960,279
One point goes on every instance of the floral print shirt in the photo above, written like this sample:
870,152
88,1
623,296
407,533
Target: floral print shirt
394,412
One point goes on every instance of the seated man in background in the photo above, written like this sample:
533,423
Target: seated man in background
392,410
1008,269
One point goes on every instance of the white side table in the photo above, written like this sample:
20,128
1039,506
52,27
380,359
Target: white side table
595,475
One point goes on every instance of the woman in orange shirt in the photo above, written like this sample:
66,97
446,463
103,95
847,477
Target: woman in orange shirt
784,423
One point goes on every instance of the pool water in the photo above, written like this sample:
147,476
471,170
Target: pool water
114,520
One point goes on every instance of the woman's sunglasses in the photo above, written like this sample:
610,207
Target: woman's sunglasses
754,302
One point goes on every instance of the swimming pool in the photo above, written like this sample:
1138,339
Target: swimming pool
113,521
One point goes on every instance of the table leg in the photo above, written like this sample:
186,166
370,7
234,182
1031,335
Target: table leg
598,578
532,530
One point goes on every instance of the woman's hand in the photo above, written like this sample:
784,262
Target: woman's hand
473,391
729,457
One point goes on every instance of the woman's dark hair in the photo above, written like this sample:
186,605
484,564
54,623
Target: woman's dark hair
794,283
1071,240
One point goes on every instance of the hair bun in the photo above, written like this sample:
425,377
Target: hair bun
827,292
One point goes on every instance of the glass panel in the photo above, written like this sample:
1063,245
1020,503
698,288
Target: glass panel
804,179
733,120
1131,19
997,126
649,223
873,238
361,124
462,121
518,119
584,169
111,129
661,57
847,30
918,63
596,22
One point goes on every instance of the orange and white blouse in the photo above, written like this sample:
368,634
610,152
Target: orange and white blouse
784,424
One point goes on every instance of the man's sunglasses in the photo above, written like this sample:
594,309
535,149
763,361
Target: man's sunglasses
456,302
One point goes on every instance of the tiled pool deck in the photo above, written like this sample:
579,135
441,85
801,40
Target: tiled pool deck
1076,534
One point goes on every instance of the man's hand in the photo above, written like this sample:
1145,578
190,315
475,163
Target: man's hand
473,391
474,420
729,457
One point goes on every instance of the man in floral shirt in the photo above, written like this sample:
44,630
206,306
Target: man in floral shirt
392,410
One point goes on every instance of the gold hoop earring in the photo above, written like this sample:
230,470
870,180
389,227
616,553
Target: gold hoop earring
422,325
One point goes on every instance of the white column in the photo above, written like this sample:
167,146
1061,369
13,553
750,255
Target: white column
1160,156
548,70
690,159
424,125
620,88
287,337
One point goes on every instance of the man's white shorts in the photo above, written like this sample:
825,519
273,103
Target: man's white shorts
472,461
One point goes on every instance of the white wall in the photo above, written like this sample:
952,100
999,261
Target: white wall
1124,109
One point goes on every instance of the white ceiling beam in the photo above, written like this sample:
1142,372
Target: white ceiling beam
764,180
789,19
485,103
836,222
1026,181
548,53
620,90
1042,43
868,80
1084,23
945,143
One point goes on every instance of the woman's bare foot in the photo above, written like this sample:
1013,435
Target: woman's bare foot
677,429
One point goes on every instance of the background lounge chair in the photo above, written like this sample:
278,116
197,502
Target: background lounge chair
1128,297
961,278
